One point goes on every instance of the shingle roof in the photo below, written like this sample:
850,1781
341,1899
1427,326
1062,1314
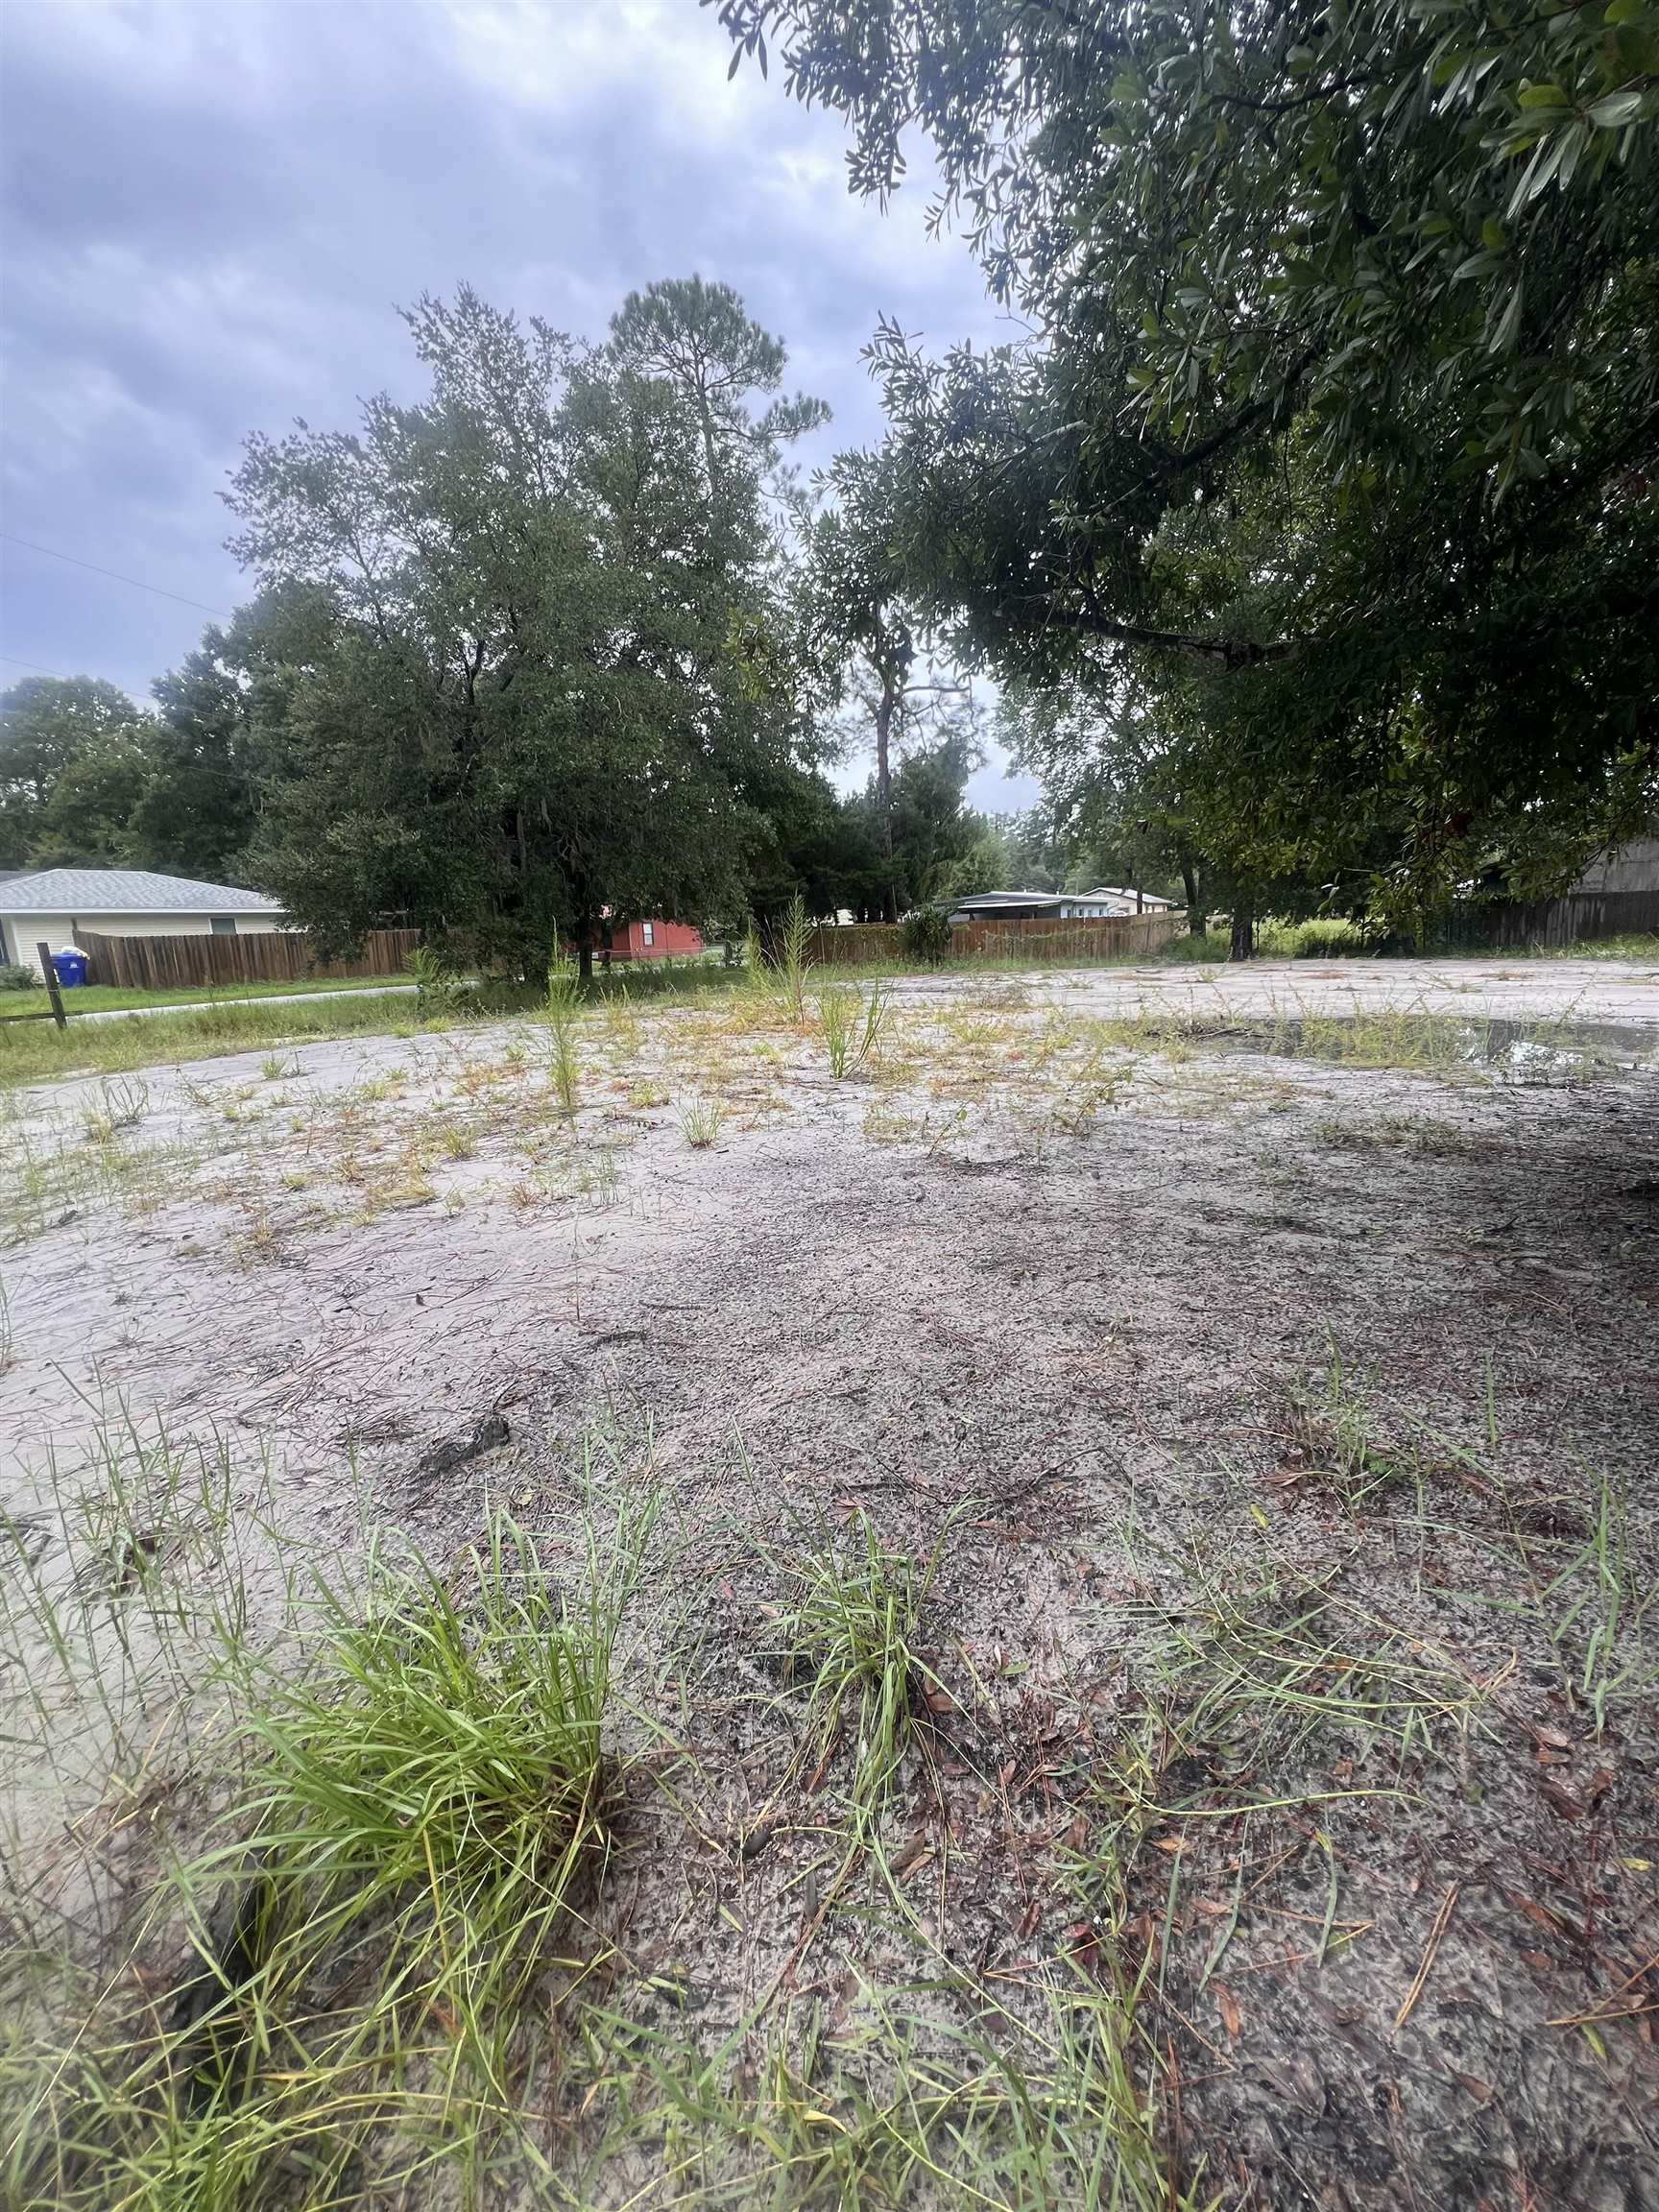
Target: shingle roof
124,891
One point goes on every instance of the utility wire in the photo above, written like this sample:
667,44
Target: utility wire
40,667
51,553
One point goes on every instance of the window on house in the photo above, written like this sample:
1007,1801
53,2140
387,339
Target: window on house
223,924
645,934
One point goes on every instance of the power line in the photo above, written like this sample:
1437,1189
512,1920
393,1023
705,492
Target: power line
40,669
137,582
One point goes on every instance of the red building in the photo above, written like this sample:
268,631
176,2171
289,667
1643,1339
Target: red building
652,940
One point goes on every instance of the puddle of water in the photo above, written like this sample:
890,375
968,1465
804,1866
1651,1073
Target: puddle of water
1564,1047
1534,1050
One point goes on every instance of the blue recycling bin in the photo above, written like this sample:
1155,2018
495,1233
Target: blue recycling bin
71,968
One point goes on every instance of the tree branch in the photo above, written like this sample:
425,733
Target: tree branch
1229,653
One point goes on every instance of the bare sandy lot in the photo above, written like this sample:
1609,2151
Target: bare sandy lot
1280,1389
1525,989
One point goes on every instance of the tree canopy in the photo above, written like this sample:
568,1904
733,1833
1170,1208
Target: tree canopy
57,734
871,643
88,779
539,655
1338,429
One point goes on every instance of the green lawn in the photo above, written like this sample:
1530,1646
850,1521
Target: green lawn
110,998
37,1052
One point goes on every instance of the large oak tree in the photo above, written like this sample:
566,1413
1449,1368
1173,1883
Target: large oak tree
536,643
1338,424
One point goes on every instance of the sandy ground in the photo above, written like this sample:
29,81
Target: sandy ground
1114,1301
1525,989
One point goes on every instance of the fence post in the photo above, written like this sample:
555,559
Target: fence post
52,990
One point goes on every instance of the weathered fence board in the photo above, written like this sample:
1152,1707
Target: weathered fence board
1059,938
1560,922
269,956
856,944
1036,937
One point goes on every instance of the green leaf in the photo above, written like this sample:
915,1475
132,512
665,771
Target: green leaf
1615,109
1508,324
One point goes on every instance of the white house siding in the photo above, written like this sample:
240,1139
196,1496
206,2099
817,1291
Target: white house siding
24,931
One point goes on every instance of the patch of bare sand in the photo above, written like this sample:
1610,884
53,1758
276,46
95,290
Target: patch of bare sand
1404,1929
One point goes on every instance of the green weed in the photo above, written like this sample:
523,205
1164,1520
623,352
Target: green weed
853,1025
437,989
852,1621
891,2106
564,998
415,1807
123,1101
791,960
1596,1608
1247,1684
700,1122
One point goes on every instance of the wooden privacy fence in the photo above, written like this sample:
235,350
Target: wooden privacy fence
859,944
1557,923
1034,937
267,957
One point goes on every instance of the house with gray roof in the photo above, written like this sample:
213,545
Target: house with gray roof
55,906
1107,903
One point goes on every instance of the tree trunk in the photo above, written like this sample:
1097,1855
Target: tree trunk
1197,920
884,782
705,415
585,955
1244,947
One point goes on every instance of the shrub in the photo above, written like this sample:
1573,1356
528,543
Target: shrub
926,935
15,978
1209,950
437,989
1330,937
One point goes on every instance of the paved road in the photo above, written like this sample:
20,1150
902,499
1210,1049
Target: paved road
1613,992
266,998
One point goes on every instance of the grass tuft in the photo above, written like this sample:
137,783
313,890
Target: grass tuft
853,1025
853,1619
413,1812
700,1122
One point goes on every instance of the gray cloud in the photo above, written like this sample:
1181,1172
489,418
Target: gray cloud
211,212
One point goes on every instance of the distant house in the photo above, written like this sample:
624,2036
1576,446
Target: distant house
55,906
652,940
1103,905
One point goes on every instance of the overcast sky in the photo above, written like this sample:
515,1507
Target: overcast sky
212,210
